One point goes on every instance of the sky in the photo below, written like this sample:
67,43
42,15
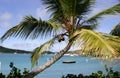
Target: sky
13,11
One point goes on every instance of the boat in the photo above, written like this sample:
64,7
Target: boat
69,61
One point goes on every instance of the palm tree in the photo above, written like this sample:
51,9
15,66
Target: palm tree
68,16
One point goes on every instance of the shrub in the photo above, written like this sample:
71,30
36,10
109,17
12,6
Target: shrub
99,74
14,72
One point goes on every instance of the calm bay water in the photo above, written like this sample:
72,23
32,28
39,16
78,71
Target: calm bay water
84,65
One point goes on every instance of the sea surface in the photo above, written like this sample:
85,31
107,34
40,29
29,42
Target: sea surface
84,65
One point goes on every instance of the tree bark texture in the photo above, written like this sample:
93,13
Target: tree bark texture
49,63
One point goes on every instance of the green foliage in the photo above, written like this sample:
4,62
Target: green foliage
111,11
105,45
31,28
116,30
14,72
109,74
67,16
39,51
8,50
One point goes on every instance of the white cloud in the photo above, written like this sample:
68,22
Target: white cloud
4,24
6,16
5,19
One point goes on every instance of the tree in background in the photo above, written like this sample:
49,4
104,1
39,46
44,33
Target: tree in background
69,23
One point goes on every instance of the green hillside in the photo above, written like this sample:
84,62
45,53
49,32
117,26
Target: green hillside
7,50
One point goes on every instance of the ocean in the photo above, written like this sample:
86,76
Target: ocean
83,65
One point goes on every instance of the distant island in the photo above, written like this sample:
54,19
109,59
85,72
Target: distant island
16,51
8,50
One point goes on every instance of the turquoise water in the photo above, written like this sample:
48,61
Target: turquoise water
84,65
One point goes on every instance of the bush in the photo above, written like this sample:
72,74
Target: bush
14,72
99,74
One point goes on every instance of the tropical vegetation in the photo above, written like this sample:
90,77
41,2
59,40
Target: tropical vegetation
14,72
12,51
99,74
109,74
116,30
68,23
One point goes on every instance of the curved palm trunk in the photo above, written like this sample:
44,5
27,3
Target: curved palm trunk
49,63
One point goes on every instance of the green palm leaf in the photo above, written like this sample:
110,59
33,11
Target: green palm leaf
111,11
113,41
40,50
67,8
101,45
32,28
76,7
116,30
10,32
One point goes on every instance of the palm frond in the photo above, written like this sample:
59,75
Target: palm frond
54,7
76,7
116,30
110,11
89,25
97,44
114,41
40,50
66,8
32,28
10,33
84,7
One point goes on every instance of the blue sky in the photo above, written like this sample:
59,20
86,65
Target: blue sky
13,11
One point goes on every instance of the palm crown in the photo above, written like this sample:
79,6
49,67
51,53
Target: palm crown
69,16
